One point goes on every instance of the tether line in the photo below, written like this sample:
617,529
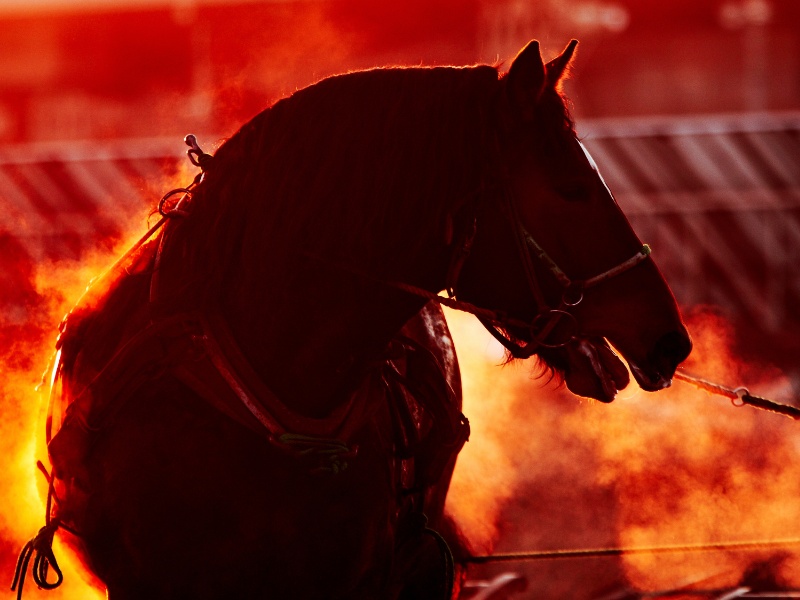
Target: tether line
599,552
739,396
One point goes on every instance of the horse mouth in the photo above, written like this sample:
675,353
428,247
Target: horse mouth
594,370
649,382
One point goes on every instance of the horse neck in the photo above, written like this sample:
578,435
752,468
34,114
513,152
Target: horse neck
313,333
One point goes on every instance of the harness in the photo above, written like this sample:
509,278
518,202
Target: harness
198,349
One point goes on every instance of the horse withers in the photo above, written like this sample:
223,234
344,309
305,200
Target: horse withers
264,402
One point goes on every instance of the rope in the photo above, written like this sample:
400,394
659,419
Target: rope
40,549
740,394
467,307
599,552
197,158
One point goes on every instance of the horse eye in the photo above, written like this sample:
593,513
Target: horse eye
574,192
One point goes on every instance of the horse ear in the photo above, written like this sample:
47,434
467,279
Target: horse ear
526,80
557,67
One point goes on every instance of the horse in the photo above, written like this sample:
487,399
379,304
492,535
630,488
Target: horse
264,400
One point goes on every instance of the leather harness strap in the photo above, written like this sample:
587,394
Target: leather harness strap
224,369
199,350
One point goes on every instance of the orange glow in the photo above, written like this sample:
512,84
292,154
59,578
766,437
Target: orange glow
684,467
543,469
49,290
692,468
58,285
674,467
488,466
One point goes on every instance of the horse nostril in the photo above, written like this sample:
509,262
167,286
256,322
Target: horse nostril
670,351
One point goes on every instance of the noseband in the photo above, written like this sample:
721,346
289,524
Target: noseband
543,327
552,327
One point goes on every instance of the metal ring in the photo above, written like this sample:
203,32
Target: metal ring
195,153
740,392
194,149
174,212
566,301
539,333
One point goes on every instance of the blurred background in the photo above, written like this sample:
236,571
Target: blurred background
691,109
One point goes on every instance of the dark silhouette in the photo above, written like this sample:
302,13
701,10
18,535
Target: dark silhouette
252,407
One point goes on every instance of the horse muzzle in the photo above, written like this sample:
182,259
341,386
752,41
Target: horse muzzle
668,352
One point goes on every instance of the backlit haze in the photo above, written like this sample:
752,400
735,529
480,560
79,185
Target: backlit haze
692,111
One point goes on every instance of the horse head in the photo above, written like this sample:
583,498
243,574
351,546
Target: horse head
554,251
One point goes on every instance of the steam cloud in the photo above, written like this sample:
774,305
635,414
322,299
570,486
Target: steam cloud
545,470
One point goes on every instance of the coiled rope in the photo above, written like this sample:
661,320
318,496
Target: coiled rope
40,549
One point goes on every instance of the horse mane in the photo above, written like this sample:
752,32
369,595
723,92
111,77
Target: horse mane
351,168
356,169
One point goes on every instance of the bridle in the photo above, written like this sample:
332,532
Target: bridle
547,327
553,326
